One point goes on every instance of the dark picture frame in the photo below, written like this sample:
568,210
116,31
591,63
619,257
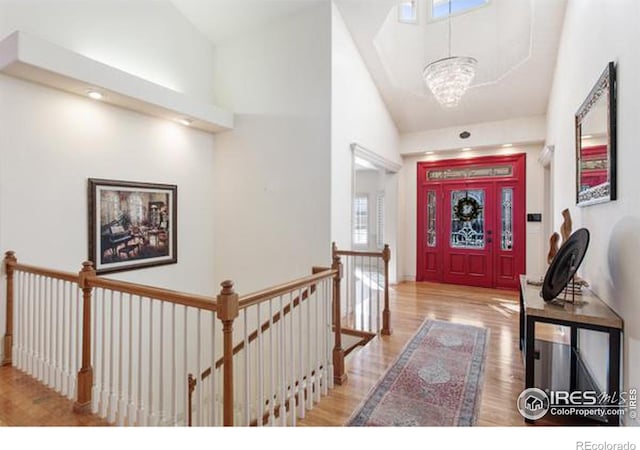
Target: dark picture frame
596,142
132,225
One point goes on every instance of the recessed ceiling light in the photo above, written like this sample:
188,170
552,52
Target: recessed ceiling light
465,135
185,121
466,149
95,94
507,145
428,153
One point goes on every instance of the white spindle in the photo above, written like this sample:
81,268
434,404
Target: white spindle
213,376
260,381
94,348
183,372
174,343
329,340
121,340
247,402
113,342
199,368
104,343
293,390
161,387
131,412
308,365
282,371
317,337
140,406
151,412
272,357
301,412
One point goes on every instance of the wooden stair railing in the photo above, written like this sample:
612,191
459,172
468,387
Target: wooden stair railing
99,315
351,261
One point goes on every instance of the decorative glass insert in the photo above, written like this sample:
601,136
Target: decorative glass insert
361,220
431,219
506,238
469,172
441,8
408,12
467,227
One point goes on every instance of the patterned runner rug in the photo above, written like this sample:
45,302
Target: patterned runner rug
436,380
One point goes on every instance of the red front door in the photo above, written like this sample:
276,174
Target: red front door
471,221
468,234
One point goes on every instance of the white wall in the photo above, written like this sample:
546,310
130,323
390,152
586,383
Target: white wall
519,131
147,38
272,173
51,142
595,33
358,115
536,241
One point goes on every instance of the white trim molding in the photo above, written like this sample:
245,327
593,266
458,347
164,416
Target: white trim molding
380,161
546,155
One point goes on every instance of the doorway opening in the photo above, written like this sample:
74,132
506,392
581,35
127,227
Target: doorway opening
471,221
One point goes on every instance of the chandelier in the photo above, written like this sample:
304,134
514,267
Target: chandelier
449,78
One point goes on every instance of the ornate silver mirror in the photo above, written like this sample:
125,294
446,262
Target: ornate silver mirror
596,142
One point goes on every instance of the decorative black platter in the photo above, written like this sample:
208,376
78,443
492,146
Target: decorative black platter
565,264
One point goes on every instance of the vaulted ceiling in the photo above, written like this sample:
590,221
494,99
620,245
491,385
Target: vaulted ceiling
514,41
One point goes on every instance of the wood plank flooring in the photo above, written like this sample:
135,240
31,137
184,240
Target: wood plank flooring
25,402
411,304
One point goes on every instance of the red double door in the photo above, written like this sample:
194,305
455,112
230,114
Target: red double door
471,221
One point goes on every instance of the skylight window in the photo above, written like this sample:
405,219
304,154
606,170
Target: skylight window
440,8
408,11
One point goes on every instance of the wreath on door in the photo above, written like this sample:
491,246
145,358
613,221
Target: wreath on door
467,209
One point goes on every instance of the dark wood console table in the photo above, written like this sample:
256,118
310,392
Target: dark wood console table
589,312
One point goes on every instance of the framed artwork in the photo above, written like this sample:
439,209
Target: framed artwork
132,225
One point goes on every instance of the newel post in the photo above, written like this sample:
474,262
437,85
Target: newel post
339,373
85,375
10,260
227,311
386,312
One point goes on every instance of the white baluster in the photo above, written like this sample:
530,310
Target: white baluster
174,342
316,338
104,344
95,392
329,337
121,402
112,398
300,375
161,387
282,372
260,381
293,389
272,362
246,395
213,376
185,369
131,407
152,416
199,368
140,413
308,364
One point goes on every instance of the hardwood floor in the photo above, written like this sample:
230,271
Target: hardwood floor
24,401
411,304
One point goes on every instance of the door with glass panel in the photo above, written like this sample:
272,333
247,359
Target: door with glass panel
471,221
468,227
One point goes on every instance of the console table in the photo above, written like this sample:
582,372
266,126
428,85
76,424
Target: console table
589,312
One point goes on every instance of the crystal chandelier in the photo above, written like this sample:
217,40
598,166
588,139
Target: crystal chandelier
449,78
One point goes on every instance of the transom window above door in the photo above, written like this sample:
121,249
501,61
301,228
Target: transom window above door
440,8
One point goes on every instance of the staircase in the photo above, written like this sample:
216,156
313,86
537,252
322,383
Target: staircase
138,355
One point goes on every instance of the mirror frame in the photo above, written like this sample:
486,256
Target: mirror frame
605,84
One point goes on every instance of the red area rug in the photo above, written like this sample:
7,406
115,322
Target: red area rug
436,380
